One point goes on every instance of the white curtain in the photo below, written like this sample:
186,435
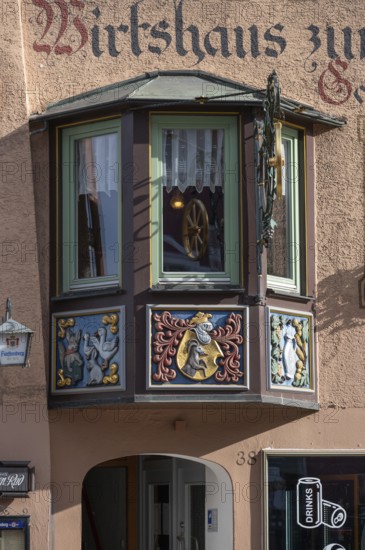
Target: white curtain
192,158
98,165
285,173
97,172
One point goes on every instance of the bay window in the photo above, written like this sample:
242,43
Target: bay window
193,186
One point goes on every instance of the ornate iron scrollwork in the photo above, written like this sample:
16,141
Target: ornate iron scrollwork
268,163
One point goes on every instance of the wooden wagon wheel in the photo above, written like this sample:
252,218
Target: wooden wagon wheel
195,229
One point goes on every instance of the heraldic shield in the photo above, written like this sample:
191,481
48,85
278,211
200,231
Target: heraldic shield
195,359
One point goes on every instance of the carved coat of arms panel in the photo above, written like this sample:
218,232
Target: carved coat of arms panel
88,351
197,347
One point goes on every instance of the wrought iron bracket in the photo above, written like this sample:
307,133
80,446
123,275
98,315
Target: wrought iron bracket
269,165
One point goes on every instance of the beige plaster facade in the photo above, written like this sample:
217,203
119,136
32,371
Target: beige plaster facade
49,55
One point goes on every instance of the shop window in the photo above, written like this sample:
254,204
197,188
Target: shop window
195,200
315,500
284,266
91,205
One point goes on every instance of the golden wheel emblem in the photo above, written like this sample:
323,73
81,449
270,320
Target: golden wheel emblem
195,229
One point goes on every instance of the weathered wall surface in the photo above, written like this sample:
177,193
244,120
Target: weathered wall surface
24,432
221,433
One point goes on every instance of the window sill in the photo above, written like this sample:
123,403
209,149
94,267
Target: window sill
187,399
168,287
288,295
89,293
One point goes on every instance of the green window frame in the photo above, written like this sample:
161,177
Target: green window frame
230,274
71,248
292,207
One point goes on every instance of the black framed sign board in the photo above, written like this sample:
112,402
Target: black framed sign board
16,479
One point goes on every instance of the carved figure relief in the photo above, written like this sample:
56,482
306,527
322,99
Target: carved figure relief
70,357
192,347
291,350
87,353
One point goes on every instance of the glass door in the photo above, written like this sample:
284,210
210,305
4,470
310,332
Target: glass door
196,516
156,503
173,504
190,505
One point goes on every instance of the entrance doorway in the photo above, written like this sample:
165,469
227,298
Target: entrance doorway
173,494
156,502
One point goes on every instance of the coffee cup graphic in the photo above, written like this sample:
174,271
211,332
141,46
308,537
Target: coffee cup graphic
313,510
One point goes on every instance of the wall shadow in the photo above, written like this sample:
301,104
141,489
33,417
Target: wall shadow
338,301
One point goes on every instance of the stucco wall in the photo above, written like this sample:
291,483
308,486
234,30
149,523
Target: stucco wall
221,433
24,432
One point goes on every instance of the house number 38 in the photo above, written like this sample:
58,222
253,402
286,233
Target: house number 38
242,459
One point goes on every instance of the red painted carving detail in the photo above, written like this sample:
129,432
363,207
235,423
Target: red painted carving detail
229,338
166,340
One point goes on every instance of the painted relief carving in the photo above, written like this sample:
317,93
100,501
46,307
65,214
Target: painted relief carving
190,347
70,358
290,350
197,353
112,320
64,324
87,353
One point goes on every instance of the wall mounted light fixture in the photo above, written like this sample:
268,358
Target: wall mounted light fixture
15,341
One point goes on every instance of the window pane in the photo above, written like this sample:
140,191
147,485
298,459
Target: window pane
278,258
12,539
316,502
193,200
97,198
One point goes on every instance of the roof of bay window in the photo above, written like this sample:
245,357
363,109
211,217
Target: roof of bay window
168,88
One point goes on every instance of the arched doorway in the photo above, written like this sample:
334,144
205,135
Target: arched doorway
157,502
